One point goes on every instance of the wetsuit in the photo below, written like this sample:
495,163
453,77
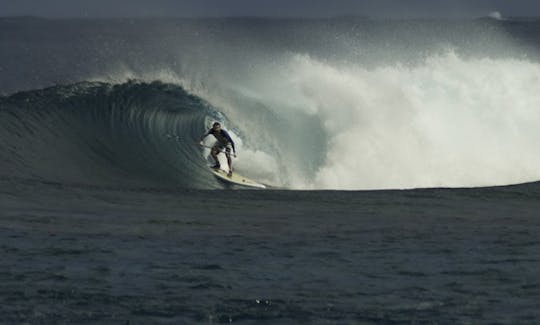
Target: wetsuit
223,138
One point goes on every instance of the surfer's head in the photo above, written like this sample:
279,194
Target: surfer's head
216,126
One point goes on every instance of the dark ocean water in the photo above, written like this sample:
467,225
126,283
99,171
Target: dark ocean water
92,255
109,215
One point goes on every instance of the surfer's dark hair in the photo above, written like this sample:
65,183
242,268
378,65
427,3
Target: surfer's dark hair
216,124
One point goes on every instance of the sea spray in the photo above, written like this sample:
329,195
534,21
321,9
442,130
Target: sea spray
448,122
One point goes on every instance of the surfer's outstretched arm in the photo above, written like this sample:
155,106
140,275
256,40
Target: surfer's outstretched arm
201,140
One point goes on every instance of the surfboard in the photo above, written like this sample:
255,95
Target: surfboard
236,179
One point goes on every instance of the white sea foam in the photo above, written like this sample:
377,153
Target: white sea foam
449,122
495,15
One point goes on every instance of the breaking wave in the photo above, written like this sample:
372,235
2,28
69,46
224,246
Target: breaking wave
373,113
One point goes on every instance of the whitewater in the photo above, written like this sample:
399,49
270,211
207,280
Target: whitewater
446,122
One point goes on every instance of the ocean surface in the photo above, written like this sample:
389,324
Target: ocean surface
401,158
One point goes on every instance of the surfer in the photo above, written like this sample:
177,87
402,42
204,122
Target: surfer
224,143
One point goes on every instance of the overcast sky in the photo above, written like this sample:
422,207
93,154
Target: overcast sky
273,8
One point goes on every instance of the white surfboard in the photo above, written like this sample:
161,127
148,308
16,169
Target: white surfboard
236,179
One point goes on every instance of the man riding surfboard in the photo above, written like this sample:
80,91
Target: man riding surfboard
224,143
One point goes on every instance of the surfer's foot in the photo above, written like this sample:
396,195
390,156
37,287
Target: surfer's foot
216,166
229,174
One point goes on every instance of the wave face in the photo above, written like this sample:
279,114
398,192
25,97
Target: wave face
317,104
105,135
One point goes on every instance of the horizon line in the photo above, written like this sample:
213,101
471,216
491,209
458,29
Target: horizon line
264,17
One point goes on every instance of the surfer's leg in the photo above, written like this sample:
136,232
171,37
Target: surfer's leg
214,154
229,160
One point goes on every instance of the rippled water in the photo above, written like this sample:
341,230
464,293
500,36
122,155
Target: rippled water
140,256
